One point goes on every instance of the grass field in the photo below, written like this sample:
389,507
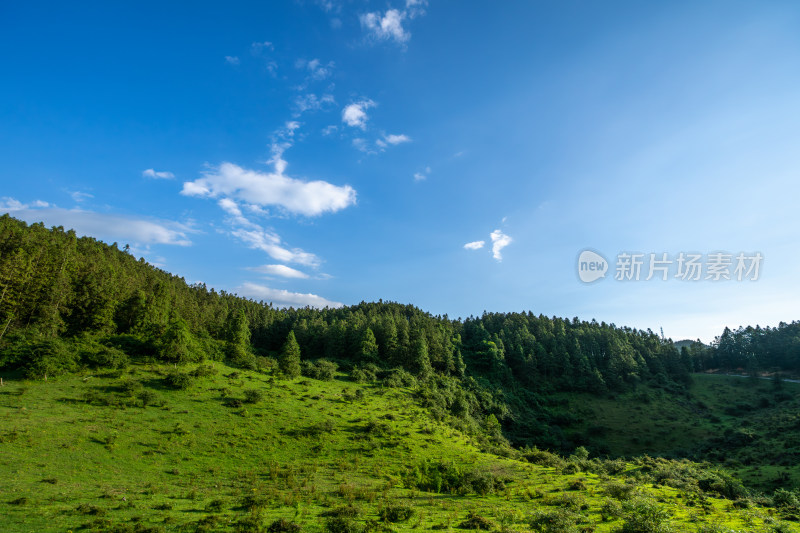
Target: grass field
240,451
749,425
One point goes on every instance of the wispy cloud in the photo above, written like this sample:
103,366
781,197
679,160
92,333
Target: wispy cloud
279,270
310,102
397,139
79,196
355,114
258,48
284,298
317,70
150,173
475,245
309,198
109,227
420,176
257,238
261,49
387,27
499,241
232,60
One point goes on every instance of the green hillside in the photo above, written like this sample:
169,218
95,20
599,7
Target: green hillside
749,425
132,401
238,450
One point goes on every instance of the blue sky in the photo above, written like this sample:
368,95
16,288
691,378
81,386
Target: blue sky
328,152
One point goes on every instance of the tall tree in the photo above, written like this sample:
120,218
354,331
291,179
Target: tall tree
289,360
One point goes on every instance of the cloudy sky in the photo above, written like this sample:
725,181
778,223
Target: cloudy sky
456,155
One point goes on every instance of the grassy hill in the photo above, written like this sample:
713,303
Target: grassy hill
749,425
212,448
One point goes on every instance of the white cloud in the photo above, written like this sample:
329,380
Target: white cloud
258,48
316,69
284,298
415,8
309,198
362,145
233,60
476,245
397,139
280,270
328,130
80,196
150,173
386,27
109,227
499,241
270,243
355,114
310,102
419,176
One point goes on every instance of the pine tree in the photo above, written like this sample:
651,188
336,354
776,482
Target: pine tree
289,360
369,346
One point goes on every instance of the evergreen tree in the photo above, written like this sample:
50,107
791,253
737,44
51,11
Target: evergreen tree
289,360
369,347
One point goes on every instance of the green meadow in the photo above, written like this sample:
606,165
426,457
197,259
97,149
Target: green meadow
212,448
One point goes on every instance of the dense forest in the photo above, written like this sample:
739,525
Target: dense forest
68,302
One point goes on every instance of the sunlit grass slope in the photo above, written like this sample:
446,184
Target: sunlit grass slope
211,448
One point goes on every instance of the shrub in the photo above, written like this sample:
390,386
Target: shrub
620,491
233,402
323,369
48,357
476,521
395,513
339,524
362,375
178,380
97,355
203,371
542,457
215,506
283,526
610,510
643,515
399,378
555,521
148,397
785,498
253,396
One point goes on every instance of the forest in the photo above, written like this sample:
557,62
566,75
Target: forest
69,302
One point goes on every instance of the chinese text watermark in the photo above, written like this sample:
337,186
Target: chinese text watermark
683,266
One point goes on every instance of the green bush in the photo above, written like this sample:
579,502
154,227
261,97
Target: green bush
178,380
41,358
97,355
644,515
340,524
204,371
555,521
476,521
283,526
399,378
253,396
395,513
323,369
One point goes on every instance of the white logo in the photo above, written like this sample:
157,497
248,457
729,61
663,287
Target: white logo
591,266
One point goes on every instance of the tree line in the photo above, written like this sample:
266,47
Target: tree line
67,302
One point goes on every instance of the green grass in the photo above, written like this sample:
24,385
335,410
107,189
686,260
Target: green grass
744,424
82,452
